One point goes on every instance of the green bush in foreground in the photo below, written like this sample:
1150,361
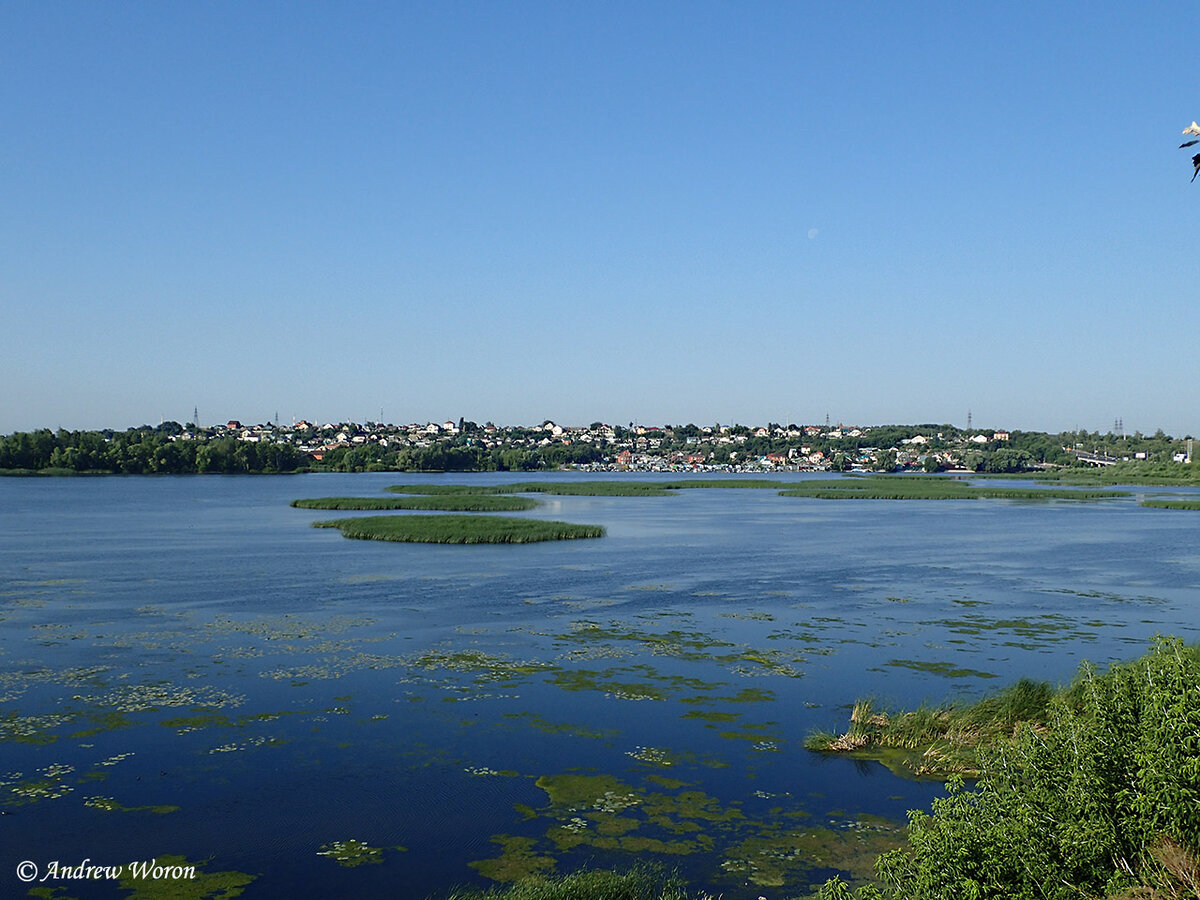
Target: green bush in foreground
453,529
1101,801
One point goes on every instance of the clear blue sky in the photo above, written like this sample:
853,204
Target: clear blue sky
653,212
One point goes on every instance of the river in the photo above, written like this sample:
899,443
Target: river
189,670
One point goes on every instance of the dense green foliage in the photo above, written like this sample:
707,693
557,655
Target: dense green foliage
453,529
458,456
141,451
1102,800
448,502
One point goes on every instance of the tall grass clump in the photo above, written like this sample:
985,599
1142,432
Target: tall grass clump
454,529
640,883
1102,799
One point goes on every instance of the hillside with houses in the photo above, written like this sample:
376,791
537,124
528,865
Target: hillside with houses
468,446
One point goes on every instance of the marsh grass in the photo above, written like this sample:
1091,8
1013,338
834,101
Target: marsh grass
452,529
941,740
918,487
591,488
1172,504
447,502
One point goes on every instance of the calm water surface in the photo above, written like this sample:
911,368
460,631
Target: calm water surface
188,668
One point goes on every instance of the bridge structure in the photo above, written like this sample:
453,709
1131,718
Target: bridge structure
1092,459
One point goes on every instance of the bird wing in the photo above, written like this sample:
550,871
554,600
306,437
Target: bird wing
1190,143
1192,129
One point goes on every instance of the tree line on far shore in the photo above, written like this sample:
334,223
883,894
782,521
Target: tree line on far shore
162,450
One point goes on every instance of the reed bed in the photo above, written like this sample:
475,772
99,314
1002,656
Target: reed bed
916,487
447,502
590,488
454,529
941,740
1172,504
561,488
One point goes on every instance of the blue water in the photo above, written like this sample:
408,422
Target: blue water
194,642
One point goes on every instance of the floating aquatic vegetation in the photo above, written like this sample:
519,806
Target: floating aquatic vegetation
108,804
565,728
133,698
517,860
945,669
247,745
354,852
775,856
657,756
32,729
169,877
47,785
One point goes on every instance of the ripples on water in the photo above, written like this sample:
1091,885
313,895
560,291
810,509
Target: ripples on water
193,643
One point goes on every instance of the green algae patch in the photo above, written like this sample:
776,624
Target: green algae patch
650,684
174,878
518,860
485,667
352,853
711,716
574,791
447,502
945,669
108,804
780,856
454,529
562,728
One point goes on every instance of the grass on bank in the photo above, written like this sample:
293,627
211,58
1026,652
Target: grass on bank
640,883
454,529
943,740
447,502
1135,472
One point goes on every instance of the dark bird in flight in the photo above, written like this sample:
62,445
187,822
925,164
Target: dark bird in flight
1190,143
1196,165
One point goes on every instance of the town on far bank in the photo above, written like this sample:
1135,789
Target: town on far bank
468,446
